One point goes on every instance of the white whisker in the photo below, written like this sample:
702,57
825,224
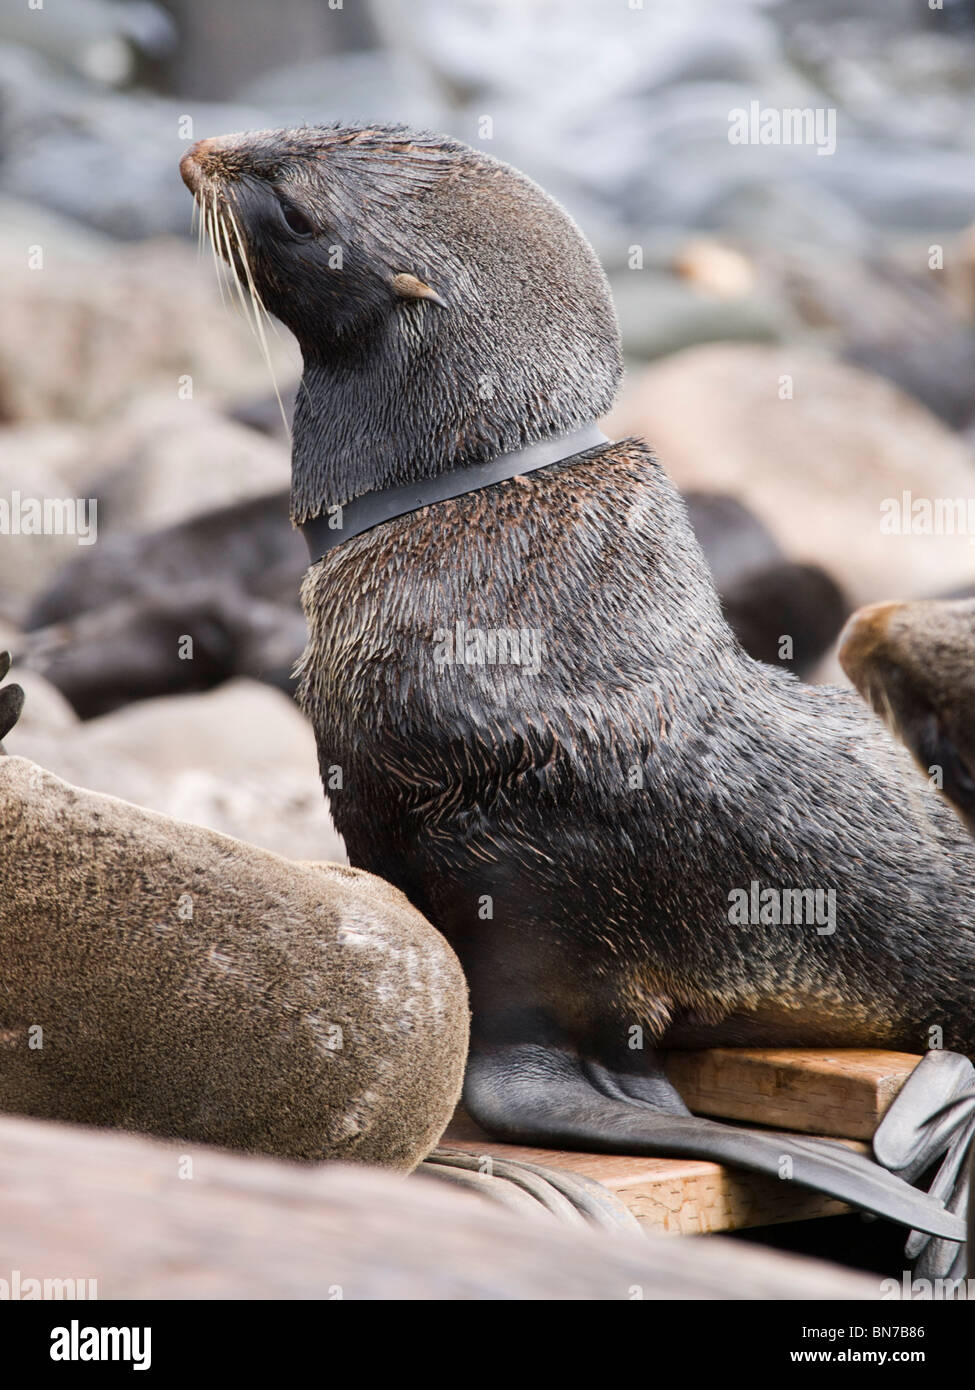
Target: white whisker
259,311
210,212
242,299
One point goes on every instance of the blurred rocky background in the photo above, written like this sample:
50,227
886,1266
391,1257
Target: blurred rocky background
797,325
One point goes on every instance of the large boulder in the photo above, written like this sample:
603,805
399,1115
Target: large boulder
163,460
150,1220
87,334
816,468
240,759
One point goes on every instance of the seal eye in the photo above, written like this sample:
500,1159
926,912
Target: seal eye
296,220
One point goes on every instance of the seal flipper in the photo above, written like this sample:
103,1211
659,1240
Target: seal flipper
11,701
933,1117
532,1094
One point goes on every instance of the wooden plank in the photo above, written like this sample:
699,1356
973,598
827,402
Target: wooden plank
843,1093
684,1196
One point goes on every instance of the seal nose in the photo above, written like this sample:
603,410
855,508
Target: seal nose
864,632
193,163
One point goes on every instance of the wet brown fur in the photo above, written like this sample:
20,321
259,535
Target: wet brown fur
222,1025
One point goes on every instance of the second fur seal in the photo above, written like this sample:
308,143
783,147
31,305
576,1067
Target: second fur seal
578,817
915,664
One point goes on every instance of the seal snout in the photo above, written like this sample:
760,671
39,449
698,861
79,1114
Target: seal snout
222,157
193,164
862,638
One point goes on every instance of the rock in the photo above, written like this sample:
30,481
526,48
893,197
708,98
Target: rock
105,158
283,812
240,760
25,223
260,554
46,711
95,37
715,268
191,986
880,65
815,469
910,186
166,460
243,724
58,449
188,638
659,315
27,561
937,367
369,85
220,52
113,1206
82,336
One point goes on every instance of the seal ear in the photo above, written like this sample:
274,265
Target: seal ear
409,287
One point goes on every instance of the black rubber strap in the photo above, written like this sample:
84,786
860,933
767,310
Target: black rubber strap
324,533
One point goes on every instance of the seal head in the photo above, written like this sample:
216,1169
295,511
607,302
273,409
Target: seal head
420,335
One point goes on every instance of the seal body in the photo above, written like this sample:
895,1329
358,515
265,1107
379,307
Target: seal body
162,978
531,715
608,803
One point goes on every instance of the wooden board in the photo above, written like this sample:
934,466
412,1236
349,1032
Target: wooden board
844,1093
681,1195
841,1094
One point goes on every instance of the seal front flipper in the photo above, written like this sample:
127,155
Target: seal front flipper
530,1093
11,701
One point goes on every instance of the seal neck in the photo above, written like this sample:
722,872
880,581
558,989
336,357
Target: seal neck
340,523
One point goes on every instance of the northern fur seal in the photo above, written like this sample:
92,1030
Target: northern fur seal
111,626
764,595
914,663
576,825
259,555
136,649
163,978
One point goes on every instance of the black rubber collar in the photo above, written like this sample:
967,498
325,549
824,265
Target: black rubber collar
324,533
